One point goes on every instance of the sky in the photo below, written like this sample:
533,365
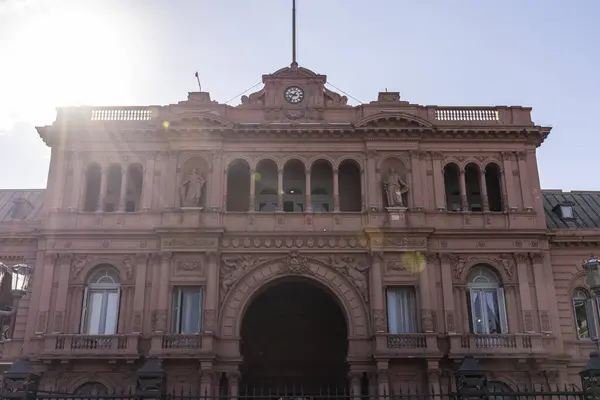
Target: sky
535,53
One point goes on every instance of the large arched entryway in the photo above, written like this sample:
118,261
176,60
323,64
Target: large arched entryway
295,338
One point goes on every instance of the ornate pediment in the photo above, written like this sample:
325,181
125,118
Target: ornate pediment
393,120
204,119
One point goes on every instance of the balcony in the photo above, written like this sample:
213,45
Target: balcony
408,345
91,346
500,345
179,345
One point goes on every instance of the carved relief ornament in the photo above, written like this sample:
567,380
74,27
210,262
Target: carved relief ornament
459,262
353,267
294,242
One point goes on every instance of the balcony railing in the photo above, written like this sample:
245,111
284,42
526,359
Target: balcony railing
179,345
96,346
497,344
408,344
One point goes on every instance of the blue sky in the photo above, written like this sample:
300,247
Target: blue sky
542,54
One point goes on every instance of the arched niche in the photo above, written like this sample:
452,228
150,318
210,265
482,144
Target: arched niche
394,182
193,183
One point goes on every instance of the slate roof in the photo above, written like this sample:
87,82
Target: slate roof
586,209
35,197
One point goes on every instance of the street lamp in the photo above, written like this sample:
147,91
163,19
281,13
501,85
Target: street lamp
21,276
471,382
20,381
151,380
592,274
592,277
590,377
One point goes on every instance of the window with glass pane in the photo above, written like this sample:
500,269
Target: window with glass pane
583,310
402,309
100,313
187,309
487,308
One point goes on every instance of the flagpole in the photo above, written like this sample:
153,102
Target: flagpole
294,32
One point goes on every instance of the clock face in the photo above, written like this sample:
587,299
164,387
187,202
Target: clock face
294,95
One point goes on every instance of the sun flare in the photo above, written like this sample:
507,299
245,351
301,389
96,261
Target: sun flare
62,55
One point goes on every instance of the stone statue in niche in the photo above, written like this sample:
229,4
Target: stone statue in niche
395,189
190,191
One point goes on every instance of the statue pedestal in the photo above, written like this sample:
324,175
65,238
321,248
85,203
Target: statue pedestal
396,215
191,208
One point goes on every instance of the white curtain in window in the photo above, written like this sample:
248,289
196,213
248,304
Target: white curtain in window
187,312
102,309
402,310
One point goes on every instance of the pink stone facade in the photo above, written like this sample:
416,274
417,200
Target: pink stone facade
144,204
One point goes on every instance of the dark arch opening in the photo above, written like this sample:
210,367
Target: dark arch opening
294,338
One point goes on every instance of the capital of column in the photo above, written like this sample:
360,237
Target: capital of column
165,256
376,256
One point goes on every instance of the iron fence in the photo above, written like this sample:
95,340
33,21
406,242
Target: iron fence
537,392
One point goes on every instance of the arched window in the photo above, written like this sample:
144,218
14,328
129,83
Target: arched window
93,177
583,310
101,302
133,193
493,178
238,186
452,187
473,187
500,391
92,388
487,307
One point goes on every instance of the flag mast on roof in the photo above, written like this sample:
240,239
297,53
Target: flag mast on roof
294,63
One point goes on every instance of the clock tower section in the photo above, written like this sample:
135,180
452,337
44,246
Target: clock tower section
294,93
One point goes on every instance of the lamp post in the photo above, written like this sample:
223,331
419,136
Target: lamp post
592,277
21,276
150,380
590,377
20,381
471,380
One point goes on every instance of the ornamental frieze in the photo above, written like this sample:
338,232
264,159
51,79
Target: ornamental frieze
398,242
353,267
188,243
295,242
458,263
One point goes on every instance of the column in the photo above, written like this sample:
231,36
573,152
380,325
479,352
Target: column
62,291
508,193
464,202
552,305
484,194
225,187
252,205
376,294
104,177
139,292
510,295
160,314
76,189
207,377
123,192
417,179
448,290
218,182
45,293
526,186
211,304
336,190
433,378
56,179
148,183
171,180
307,192
280,189
383,380
355,387
233,378
438,182
363,200
425,300
537,260
524,293
372,200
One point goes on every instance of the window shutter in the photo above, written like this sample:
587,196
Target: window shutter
502,310
83,323
591,320
472,312
118,307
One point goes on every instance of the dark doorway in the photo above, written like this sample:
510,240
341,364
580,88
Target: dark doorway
294,339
